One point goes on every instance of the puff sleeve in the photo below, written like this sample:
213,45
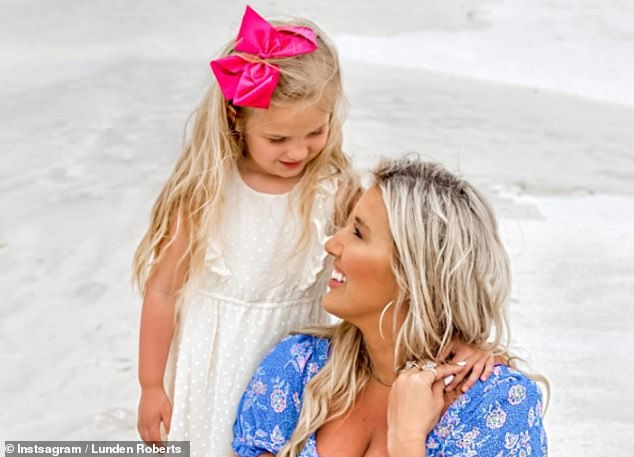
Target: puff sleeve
269,408
499,418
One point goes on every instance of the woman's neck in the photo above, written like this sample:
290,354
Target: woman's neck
381,355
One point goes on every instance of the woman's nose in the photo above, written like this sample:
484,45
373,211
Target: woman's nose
333,245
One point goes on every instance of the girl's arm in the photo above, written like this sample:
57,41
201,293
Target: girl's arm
476,363
157,328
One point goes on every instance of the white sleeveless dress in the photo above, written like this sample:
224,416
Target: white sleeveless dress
254,292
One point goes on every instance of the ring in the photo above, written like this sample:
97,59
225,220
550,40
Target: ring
430,366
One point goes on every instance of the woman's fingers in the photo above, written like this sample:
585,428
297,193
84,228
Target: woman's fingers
438,387
445,370
439,372
464,369
416,400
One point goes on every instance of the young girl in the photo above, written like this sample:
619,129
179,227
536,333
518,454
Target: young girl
234,259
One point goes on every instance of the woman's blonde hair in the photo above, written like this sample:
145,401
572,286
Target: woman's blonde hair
454,277
191,200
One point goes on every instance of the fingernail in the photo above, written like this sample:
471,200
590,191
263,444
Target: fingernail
448,379
462,363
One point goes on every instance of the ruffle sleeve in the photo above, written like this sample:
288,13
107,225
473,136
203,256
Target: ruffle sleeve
269,408
322,225
214,260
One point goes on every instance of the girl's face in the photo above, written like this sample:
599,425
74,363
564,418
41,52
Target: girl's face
281,140
362,282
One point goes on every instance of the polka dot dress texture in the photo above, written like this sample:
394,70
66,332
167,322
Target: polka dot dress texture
255,290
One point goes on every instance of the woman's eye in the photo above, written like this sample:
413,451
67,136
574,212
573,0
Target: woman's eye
357,233
316,133
277,140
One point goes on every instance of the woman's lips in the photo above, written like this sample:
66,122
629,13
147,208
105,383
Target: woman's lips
337,279
333,283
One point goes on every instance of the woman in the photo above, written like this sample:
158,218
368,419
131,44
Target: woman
419,263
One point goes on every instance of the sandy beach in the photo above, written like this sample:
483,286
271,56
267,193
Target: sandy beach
93,101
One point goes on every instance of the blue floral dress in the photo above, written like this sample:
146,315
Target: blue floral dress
496,418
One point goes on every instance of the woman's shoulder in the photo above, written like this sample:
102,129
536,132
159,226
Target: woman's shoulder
270,406
506,393
502,413
298,354
306,340
511,384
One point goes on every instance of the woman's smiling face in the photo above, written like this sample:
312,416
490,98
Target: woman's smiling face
362,282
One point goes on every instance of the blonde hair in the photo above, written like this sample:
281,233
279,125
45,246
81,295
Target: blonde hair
454,277
192,196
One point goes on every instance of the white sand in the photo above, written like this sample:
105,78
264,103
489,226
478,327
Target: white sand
93,97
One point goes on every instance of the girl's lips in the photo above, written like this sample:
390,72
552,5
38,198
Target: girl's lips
291,164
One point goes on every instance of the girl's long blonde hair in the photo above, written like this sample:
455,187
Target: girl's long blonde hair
192,197
454,277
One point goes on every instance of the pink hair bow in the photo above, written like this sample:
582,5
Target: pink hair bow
246,78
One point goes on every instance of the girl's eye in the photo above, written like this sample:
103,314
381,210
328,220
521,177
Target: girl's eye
277,140
357,233
316,133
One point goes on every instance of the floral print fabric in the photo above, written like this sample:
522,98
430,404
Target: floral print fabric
497,418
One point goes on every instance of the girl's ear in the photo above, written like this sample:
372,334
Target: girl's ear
235,126
232,115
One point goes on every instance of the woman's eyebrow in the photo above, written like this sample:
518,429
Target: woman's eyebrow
359,221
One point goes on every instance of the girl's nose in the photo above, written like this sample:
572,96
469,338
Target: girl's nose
299,152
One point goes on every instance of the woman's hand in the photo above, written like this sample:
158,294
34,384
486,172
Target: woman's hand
414,407
154,409
476,364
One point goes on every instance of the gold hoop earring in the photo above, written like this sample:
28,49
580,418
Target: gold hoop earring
385,308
